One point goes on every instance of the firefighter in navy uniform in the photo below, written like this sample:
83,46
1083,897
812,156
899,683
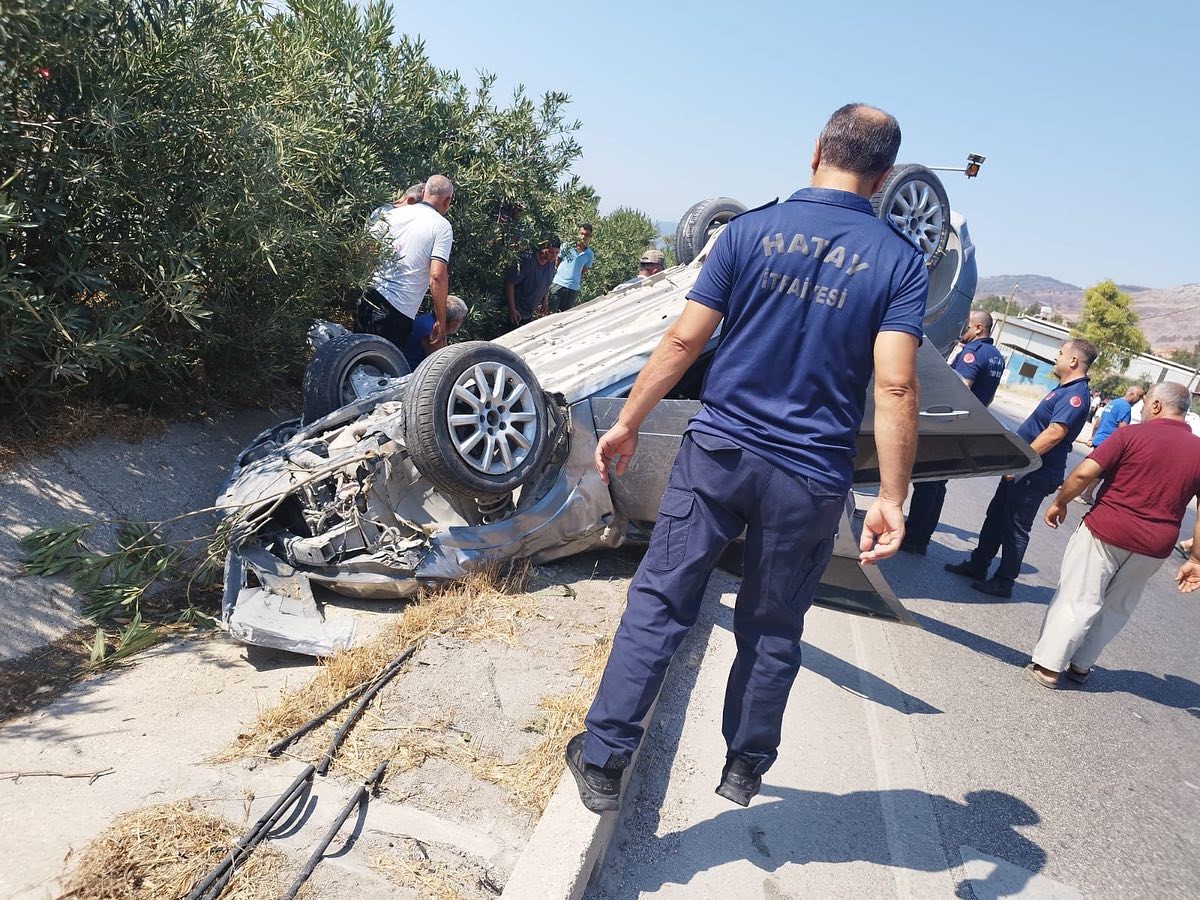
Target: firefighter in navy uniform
980,366
1050,429
812,295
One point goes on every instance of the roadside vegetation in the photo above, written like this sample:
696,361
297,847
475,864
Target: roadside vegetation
184,183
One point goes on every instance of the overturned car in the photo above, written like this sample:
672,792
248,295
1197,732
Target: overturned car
484,453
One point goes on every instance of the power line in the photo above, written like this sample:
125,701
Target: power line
1173,312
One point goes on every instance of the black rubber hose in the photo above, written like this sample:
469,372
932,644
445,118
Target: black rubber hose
383,678
251,838
361,797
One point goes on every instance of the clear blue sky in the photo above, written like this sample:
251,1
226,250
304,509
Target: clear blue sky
1087,112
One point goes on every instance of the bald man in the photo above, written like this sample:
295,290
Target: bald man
1151,474
416,241
980,366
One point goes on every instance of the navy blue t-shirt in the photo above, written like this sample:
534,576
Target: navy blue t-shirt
1068,406
804,287
982,363
422,328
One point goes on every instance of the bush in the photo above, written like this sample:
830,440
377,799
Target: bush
185,184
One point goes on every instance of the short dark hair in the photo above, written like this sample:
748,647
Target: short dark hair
860,139
1085,349
550,242
586,226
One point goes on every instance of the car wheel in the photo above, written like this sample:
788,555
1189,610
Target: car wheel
476,420
346,369
913,199
699,223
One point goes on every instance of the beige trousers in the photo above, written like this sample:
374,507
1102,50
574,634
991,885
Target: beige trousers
1098,590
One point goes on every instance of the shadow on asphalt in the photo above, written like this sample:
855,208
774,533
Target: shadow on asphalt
924,577
1172,691
973,641
800,827
851,678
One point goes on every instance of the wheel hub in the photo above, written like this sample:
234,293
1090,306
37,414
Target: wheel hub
917,212
492,418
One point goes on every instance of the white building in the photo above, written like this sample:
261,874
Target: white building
1029,346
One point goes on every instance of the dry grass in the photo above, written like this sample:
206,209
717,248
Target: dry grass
530,780
431,880
533,777
162,851
483,606
76,421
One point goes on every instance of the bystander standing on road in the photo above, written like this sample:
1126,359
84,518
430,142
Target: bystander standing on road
527,283
801,287
1151,474
980,366
1050,429
422,342
574,260
1117,415
416,241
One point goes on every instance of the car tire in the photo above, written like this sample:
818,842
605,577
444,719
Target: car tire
463,437
698,223
914,201
343,363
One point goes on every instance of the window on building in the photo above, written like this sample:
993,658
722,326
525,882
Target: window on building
1028,370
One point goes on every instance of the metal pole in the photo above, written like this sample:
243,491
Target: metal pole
1007,303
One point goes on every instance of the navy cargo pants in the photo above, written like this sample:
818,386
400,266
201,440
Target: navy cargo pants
924,512
1006,526
716,489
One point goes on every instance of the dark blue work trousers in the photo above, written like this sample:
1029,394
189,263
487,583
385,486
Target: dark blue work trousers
715,490
1006,526
924,512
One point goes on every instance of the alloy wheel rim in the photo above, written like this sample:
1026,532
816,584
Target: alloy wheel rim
917,212
492,418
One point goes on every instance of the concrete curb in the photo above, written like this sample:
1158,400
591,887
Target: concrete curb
569,840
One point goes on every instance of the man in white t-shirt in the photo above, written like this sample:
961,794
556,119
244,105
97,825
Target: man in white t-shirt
416,243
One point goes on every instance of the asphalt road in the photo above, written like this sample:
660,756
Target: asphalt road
921,762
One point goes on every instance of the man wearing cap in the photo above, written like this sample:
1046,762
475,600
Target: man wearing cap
574,260
812,295
650,263
980,366
527,283
1049,429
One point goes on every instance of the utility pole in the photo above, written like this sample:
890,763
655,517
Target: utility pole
1007,304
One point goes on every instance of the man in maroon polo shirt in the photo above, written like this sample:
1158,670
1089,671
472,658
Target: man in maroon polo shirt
1151,473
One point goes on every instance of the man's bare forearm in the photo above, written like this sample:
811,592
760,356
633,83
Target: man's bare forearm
1049,438
666,365
1081,476
895,438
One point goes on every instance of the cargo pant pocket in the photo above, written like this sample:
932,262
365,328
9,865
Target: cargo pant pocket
669,542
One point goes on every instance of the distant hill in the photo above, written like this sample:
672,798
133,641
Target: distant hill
666,227
1033,284
1170,316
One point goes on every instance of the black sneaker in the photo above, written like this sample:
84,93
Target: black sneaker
599,789
738,781
994,587
965,569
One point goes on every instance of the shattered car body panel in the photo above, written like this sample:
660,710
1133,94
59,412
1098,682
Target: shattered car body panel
340,504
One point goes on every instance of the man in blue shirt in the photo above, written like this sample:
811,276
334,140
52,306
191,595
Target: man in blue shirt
423,341
573,263
980,366
1050,429
1116,415
811,295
